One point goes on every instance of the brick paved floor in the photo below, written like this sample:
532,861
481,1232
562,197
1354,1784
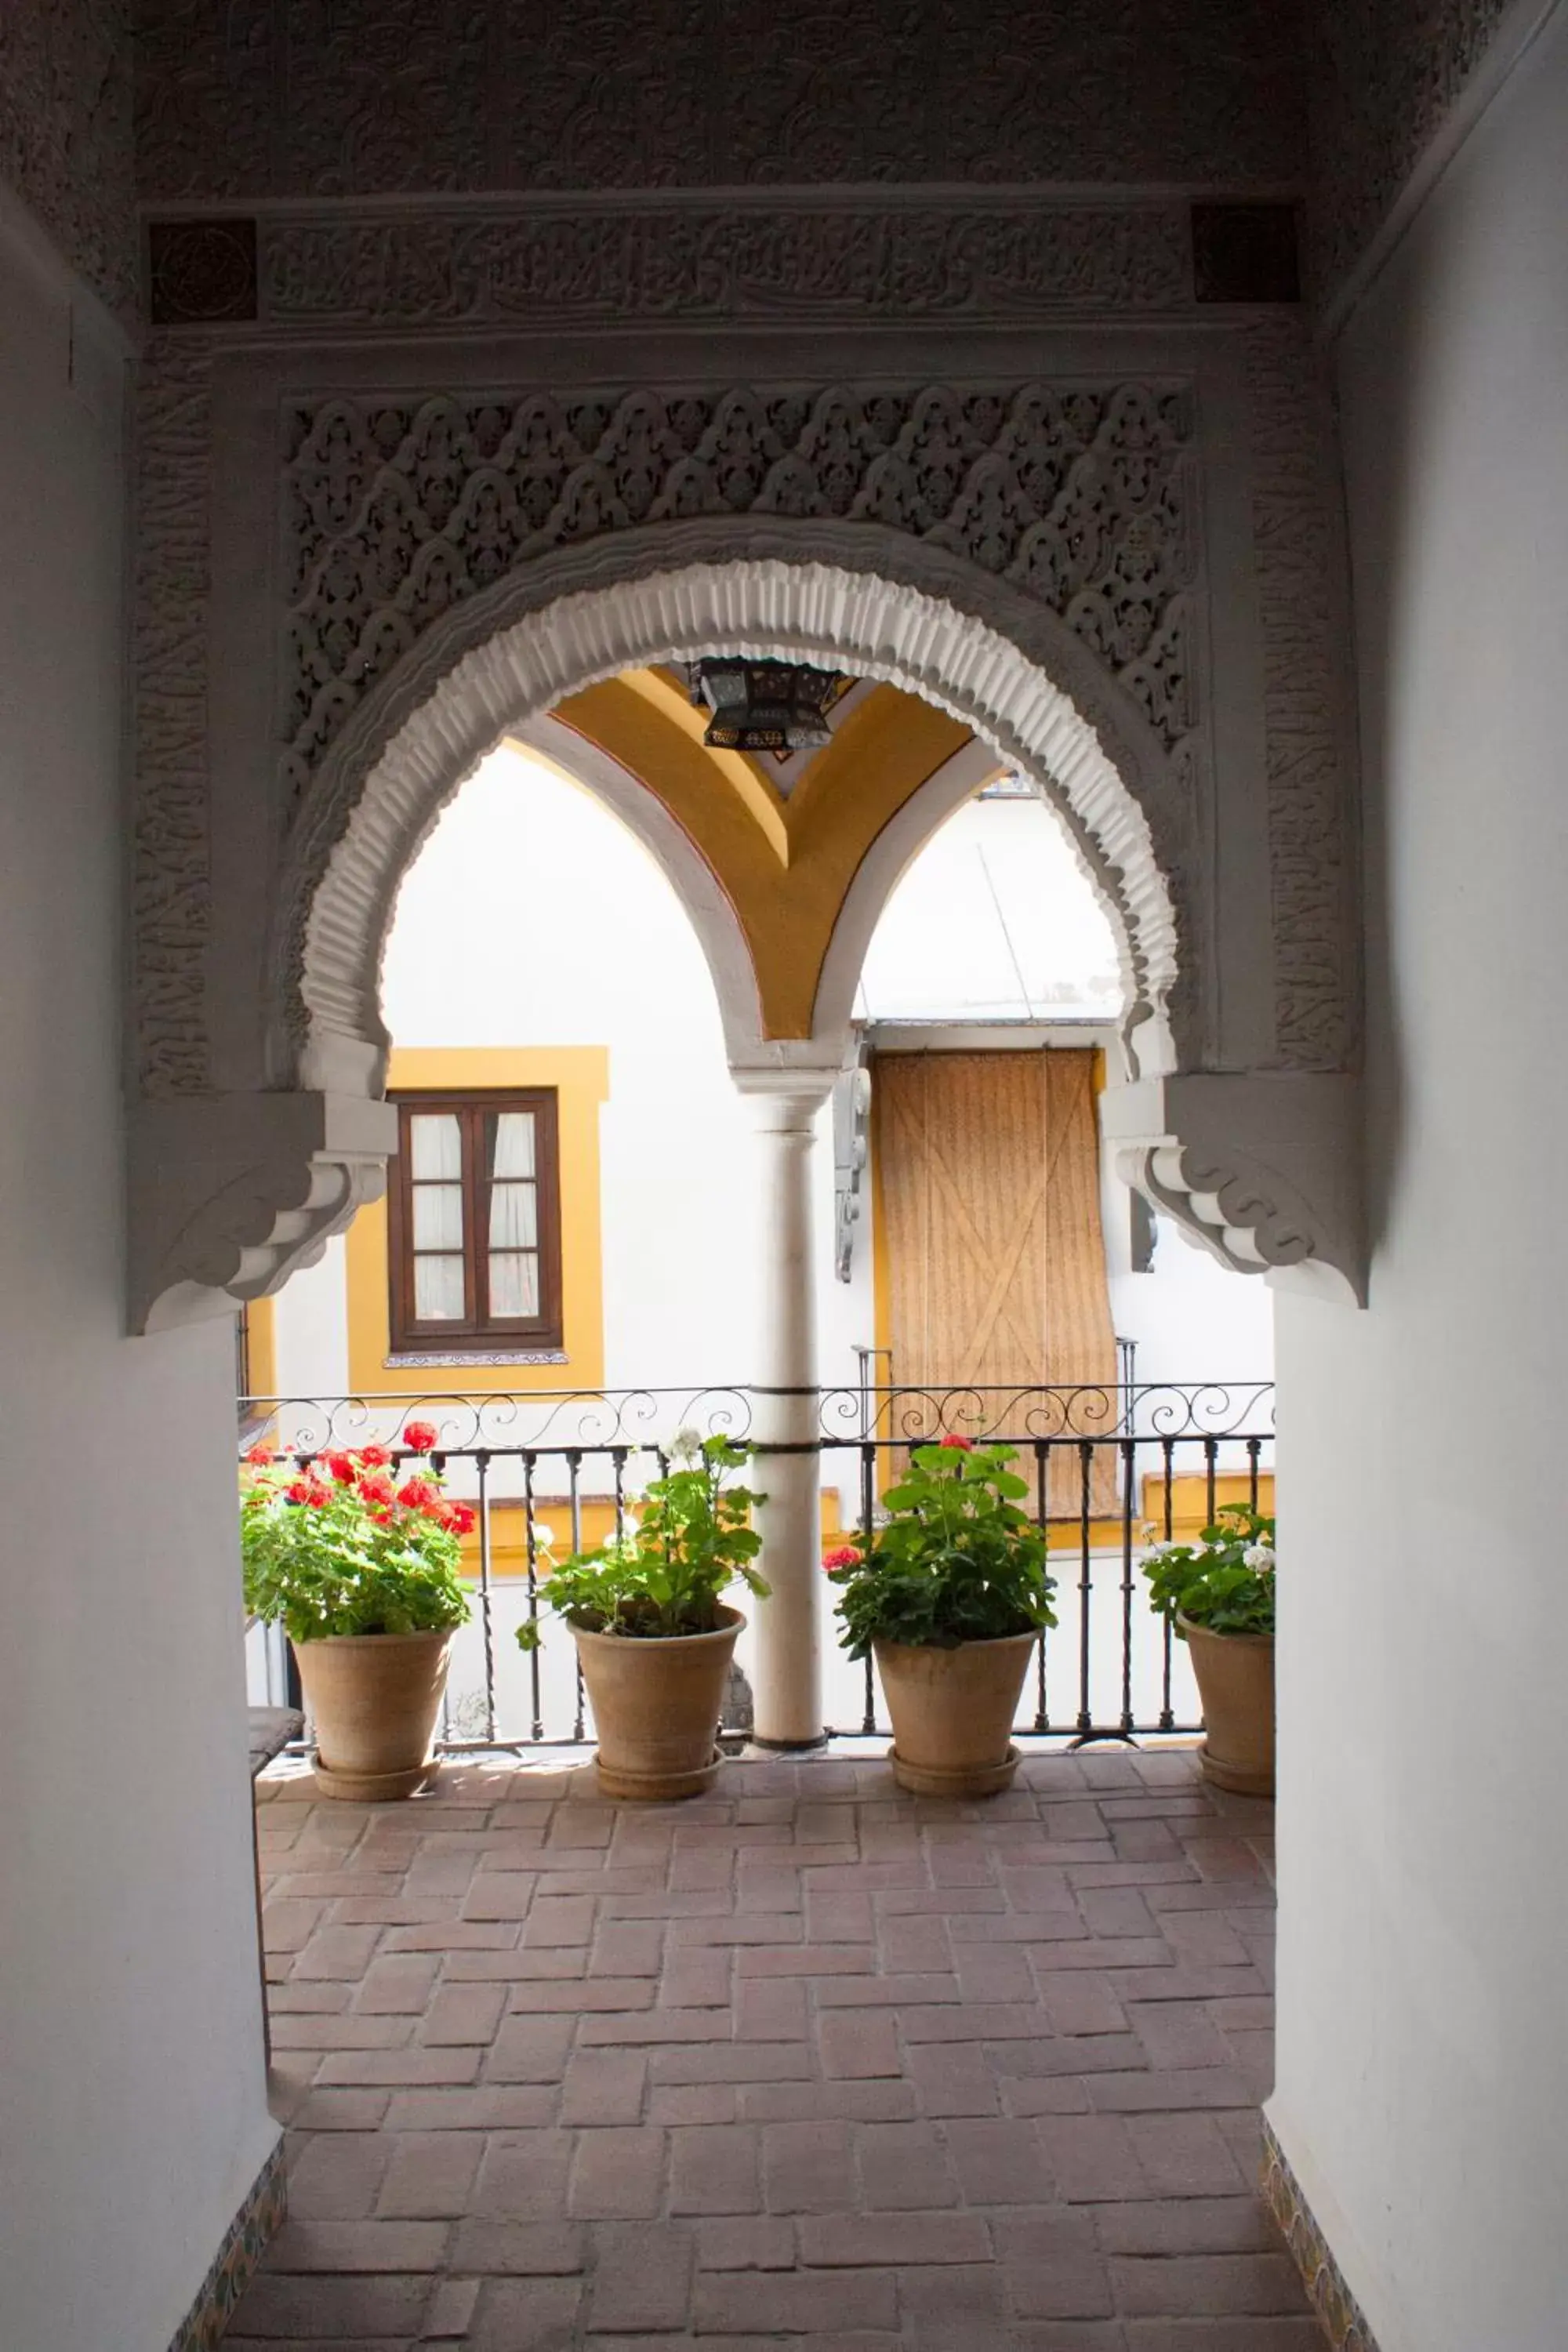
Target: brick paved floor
806,2058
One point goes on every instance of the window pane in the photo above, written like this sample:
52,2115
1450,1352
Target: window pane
514,1217
509,1143
514,1283
437,1289
434,1146
437,1216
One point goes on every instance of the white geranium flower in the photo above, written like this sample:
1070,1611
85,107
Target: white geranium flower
1257,1556
544,1536
686,1445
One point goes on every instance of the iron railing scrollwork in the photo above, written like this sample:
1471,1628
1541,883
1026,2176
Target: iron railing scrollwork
1113,1469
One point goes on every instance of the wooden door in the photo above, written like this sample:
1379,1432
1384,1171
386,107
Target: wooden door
988,1187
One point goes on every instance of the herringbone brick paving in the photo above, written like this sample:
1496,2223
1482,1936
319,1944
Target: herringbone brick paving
808,2058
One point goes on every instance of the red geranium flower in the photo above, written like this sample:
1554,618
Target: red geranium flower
376,1489
260,1457
418,1494
844,1557
419,1436
343,1467
458,1517
375,1457
959,1444
308,1490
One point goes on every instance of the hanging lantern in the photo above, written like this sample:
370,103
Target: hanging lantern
765,706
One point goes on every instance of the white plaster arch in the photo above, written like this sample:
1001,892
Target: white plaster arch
707,906
892,854
335,908
230,1191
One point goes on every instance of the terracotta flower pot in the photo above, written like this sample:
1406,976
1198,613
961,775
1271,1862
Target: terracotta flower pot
374,1698
1236,1683
657,1707
952,1713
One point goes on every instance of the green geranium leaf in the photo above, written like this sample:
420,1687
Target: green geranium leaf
956,1561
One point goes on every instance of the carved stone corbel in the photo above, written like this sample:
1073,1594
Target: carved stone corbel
1262,1167
231,1194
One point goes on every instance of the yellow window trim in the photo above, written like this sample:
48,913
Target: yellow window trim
580,1076
262,1345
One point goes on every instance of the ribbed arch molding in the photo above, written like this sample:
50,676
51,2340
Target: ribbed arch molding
363,823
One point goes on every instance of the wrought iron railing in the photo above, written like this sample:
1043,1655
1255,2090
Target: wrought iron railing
1112,1470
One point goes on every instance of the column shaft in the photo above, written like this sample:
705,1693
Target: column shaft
788,1678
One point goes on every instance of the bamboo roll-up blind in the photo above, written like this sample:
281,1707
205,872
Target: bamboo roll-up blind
988,1184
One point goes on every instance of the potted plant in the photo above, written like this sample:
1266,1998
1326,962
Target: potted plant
950,1598
1218,1595
654,1638
362,1573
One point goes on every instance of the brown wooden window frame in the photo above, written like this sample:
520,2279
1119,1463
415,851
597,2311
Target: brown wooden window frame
477,1330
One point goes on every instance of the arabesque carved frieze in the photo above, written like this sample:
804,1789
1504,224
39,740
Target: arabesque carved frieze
1084,498
789,261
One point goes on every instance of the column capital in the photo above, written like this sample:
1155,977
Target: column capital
796,1087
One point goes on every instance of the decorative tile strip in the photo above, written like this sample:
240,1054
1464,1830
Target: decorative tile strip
1343,2320
245,2241
454,1362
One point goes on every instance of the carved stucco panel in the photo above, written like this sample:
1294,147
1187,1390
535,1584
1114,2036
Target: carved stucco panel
1300,610
171,889
398,511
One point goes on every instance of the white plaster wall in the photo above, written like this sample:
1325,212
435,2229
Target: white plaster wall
132,2098
312,1328
535,918
995,920
1191,1318
1423,2058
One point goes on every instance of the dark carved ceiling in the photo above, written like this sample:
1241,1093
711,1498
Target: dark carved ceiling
64,131
1381,79
360,97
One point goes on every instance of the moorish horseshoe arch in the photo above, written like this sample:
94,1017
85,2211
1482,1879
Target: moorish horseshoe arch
1253,1164
506,660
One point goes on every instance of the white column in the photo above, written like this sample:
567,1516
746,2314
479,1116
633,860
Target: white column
788,1676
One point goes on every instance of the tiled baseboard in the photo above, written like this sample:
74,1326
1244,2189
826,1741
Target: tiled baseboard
245,2241
1345,2322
